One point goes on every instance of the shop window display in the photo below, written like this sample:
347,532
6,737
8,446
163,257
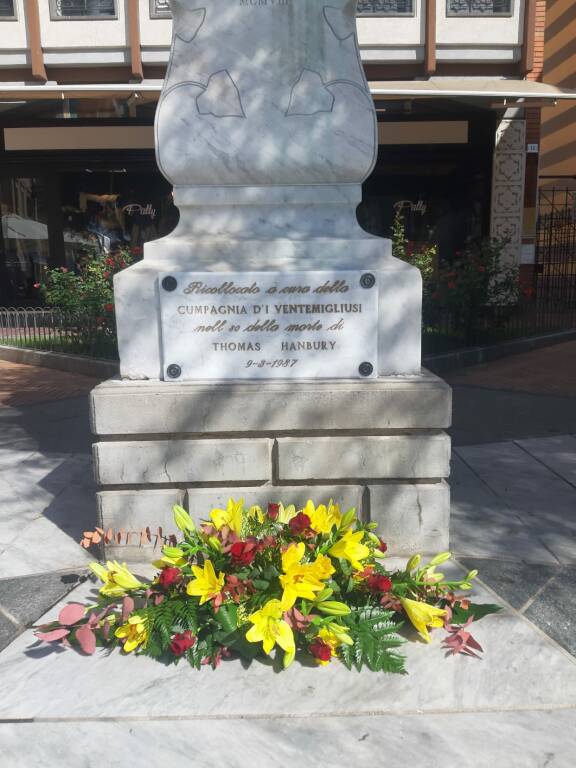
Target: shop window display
24,246
109,210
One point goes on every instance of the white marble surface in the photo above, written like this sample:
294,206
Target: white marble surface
522,669
477,740
267,129
273,93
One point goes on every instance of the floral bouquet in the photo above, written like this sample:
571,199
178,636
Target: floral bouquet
311,581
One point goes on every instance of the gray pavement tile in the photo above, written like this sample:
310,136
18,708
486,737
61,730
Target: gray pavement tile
515,582
557,453
28,598
554,610
490,415
8,631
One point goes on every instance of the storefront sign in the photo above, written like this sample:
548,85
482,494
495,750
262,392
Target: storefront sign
142,210
414,207
269,325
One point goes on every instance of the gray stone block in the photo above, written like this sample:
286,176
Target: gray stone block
403,457
134,510
412,518
152,407
199,501
182,461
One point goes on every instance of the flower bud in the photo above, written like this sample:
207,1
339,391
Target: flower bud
371,526
182,519
215,544
172,552
471,575
324,595
333,608
348,519
441,558
413,563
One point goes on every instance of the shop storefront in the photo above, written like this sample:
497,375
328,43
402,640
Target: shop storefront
435,168
60,206
62,199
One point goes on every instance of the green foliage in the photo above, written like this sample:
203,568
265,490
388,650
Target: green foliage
164,620
375,636
86,296
478,282
424,258
461,615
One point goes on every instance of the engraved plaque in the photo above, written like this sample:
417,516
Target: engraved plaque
269,325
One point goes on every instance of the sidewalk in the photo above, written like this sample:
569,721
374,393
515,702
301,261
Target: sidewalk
513,517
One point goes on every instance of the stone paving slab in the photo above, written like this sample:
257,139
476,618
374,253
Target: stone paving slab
522,669
479,740
556,453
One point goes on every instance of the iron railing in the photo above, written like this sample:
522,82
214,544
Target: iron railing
55,330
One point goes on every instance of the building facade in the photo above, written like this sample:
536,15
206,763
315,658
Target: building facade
456,85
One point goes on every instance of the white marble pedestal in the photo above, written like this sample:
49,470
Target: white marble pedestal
379,445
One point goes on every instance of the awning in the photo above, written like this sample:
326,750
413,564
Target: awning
433,88
471,87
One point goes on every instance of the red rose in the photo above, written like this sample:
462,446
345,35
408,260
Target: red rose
169,577
182,643
106,275
36,285
321,650
273,511
109,307
378,583
383,547
299,524
243,552
110,262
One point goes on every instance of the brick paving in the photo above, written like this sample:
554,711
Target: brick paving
29,384
546,371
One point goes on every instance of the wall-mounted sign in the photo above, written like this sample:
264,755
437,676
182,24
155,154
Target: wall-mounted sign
533,149
142,210
408,205
269,325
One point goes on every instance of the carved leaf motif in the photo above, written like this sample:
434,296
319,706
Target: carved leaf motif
310,95
187,23
221,97
341,22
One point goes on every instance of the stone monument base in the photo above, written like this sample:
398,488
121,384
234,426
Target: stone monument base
378,445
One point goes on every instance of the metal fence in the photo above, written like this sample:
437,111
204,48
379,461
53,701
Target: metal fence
55,330
492,325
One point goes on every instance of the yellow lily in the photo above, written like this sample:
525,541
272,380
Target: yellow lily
256,513
285,514
232,516
298,580
271,629
117,578
350,548
321,568
133,633
323,518
423,616
206,585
